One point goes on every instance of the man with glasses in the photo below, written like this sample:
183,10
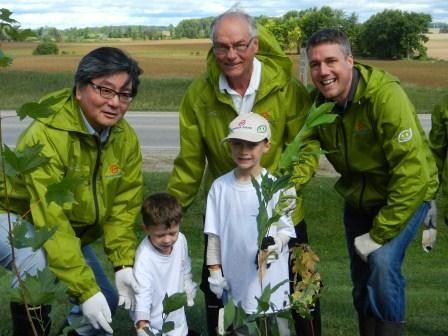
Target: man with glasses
85,139
246,72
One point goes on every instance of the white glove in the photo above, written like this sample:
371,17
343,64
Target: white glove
364,245
428,239
274,250
97,311
217,283
124,280
190,288
431,217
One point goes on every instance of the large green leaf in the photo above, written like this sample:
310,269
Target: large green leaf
23,162
20,237
35,110
174,302
61,192
229,314
42,288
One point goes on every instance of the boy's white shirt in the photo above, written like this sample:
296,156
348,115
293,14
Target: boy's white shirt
232,209
156,275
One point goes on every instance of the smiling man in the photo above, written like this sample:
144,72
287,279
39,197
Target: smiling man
247,71
86,139
387,174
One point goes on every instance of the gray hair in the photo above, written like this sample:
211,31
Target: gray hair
107,61
234,12
331,36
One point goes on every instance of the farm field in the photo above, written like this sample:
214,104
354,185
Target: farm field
185,59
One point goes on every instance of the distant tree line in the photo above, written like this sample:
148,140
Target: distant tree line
390,34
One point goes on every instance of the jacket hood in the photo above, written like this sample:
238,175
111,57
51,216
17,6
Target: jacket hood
375,78
269,53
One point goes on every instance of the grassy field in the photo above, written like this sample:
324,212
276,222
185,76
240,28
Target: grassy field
427,298
169,66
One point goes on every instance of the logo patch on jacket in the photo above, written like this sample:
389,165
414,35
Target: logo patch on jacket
114,170
405,135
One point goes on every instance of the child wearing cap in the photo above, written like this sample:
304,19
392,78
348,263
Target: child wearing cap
231,227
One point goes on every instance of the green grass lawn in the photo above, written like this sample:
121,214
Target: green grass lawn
427,297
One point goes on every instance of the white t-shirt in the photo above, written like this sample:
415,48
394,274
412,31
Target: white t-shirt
231,214
156,275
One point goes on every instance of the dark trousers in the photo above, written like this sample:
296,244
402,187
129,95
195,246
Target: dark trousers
303,327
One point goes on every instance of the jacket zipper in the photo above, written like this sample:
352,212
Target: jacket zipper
94,177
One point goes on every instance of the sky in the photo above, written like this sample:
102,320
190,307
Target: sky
63,14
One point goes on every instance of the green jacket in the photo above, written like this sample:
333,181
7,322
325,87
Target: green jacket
438,140
108,195
206,112
379,148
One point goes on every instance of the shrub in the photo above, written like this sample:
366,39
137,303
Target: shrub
46,48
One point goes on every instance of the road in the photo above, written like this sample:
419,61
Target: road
156,130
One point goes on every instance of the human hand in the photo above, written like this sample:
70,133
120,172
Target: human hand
190,288
364,245
217,282
124,280
97,311
145,329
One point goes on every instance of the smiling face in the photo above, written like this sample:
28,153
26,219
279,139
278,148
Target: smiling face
162,237
247,156
233,32
99,111
331,71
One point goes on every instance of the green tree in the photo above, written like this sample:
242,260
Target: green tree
313,19
394,34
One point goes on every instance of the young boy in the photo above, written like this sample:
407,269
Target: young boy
230,222
162,265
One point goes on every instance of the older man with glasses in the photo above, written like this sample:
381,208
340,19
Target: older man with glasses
85,139
247,71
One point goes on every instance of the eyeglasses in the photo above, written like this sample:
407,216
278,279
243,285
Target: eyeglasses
222,49
108,93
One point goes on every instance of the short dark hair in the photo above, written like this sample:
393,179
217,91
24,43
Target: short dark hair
161,209
234,12
332,36
107,61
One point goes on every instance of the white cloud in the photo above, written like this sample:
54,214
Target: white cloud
87,13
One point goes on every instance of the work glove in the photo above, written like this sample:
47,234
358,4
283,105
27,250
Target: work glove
271,248
124,280
190,288
364,245
145,330
217,283
429,234
97,311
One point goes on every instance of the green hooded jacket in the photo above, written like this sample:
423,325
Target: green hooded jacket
379,148
438,140
108,193
206,112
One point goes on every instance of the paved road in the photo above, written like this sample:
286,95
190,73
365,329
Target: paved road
156,130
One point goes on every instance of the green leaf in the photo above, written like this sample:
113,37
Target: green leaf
174,302
229,314
34,110
42,288
264,299
20,237
61,192
167,327
23,162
